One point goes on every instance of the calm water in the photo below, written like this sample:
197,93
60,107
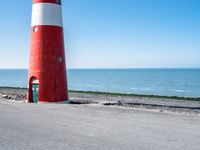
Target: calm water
168,82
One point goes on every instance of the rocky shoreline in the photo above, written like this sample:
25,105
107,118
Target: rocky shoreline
16,94
129,101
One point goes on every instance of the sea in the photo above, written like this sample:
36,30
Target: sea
162,82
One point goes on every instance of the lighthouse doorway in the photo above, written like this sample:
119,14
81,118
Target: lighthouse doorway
35,90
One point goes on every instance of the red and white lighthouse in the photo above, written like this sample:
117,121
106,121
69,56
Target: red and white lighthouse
47,81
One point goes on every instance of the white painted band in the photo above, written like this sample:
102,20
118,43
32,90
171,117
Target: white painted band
47,14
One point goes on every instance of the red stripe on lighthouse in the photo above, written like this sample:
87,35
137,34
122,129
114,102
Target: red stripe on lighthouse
47,1
47,54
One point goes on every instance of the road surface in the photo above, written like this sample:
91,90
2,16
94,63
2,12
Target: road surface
94,127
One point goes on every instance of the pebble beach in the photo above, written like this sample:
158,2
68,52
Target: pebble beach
150,103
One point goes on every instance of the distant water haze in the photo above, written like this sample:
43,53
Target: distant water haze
164,82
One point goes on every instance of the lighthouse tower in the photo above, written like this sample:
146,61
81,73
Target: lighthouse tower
47,81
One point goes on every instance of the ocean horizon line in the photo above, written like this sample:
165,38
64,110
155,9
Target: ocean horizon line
170,68
162,81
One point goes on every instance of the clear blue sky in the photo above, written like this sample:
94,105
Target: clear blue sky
111,33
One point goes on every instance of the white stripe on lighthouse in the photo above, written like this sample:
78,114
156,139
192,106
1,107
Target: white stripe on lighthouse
47,14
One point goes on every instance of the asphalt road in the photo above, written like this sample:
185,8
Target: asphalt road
92,127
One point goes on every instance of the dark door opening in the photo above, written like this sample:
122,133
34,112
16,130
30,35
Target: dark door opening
35,91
